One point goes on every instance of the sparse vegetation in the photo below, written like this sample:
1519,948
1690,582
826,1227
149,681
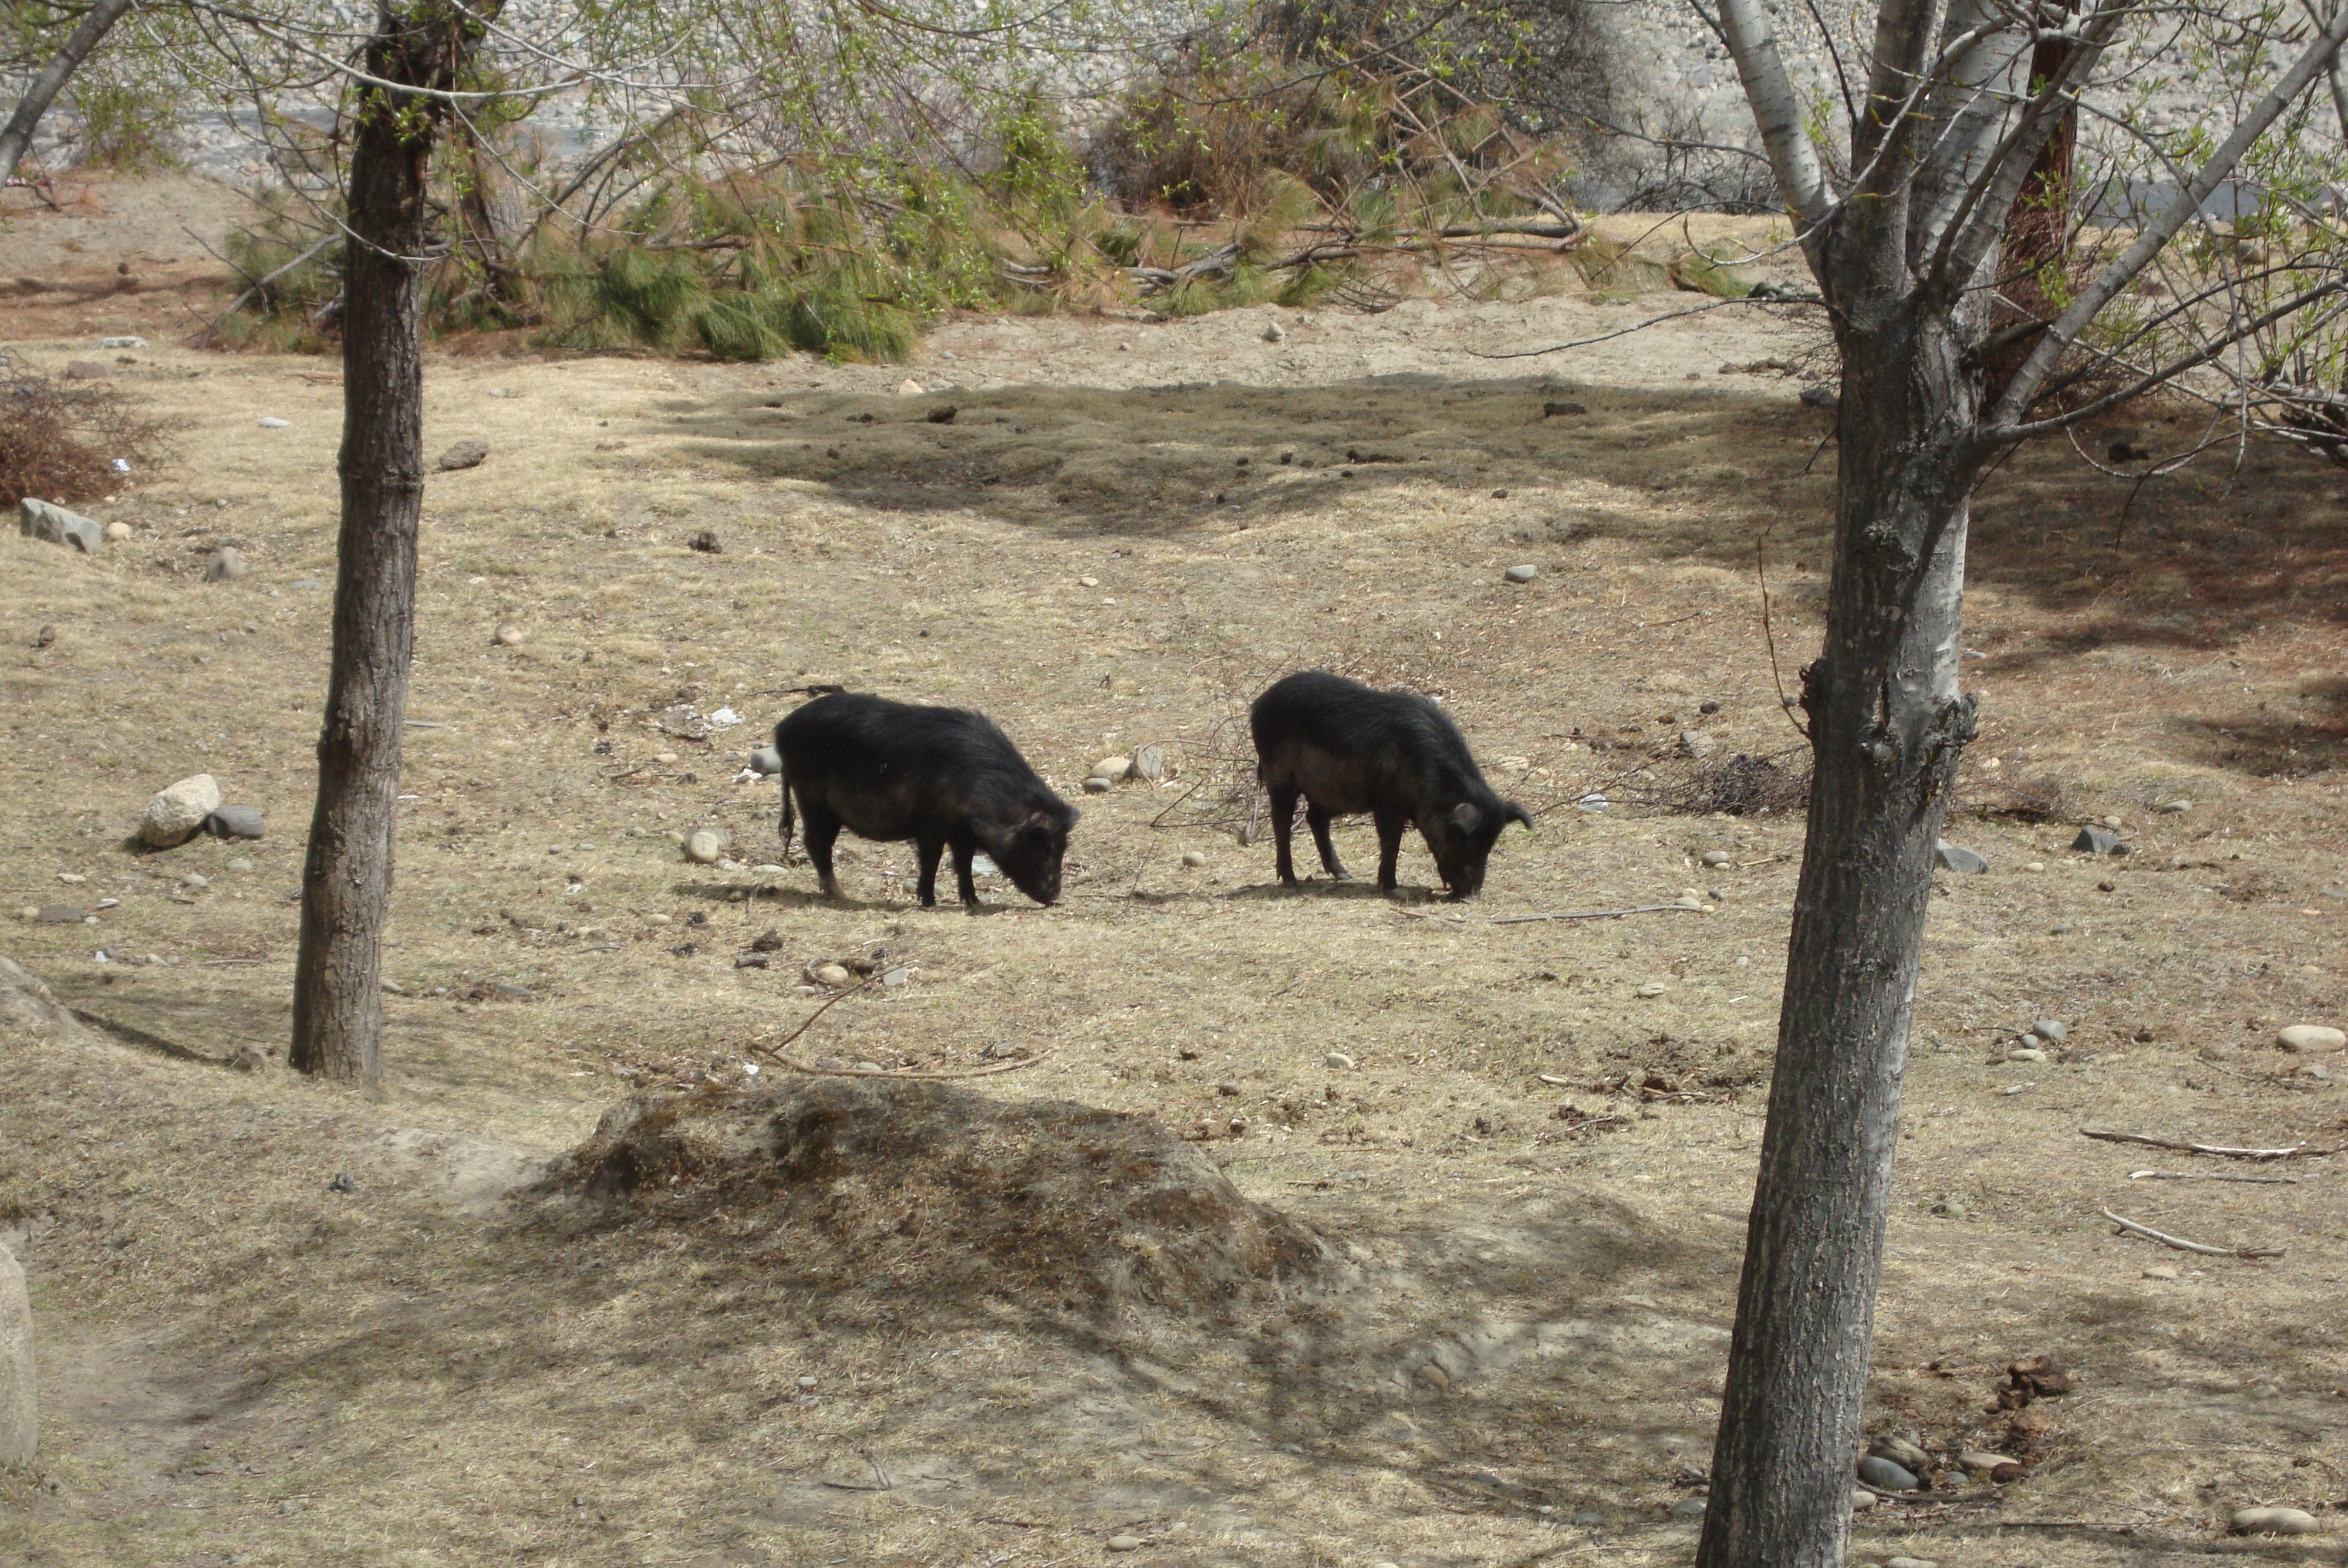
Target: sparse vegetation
67,442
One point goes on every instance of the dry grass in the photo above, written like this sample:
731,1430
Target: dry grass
408,1374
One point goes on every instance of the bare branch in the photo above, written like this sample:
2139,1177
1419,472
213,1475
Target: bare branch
43,89
1801,180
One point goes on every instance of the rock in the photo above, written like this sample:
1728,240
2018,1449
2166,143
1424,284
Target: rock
2316,1071
116,531
1696,743
507,635
683,720
1338,1060
1193,858
1860,1502
195,881
2273,1521
767,761
1087,582
1097,786
707,542
1688,1508
1123,1543
1562,407
175,813
2160,1271
1820,397
463,454
271,422
87,369
1949,857
226,566
909,387
834,975
57,526
2034,866
1995,1467
1524,572
1149,763
60,914
1877,1470
2025,1053
2053,1029
236,822
1652,989
664,758
250,1058
1950,1209
2311,1036
240,864
2171,807
2094,840
1274,333
1901,1452
121,342
1715,857
1591,1517
19,1404
1112,767
704,846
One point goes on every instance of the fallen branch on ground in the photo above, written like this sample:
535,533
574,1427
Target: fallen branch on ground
2296,1151
2209,1176
2181,1244
1595,914
774,1052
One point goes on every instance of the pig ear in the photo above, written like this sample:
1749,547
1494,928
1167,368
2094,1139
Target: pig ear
1044,820
1465,816
1518,813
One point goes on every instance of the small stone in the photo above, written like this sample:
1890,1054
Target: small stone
707,542
1901,1452
2171,807
1652,989
1097,786
1696,743
1112,767
1149,763
1274,333
1523,571
507,635
271,422
227,565
1087,582
1562,407
1950,1209
663,758
1877,1470
807,1381
1860,1502
121,342
116,531
1949,857
1124,1544
909,387
2094,840
60,914
1715,857
1338,1060
2311,1036
1193,858
1688,1508
2273,1521
704,846
236,822
683,720
463,454
2034,866
767,761
56,525
240,864
175,814
834,975
2025,1053
2316,1071
195,881
2053,1029
1820,397
2160,1271
890,979
1997,1467
250,1058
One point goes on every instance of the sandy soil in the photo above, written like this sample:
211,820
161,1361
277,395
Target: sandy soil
1124,530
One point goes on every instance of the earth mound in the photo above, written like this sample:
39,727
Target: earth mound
927,1188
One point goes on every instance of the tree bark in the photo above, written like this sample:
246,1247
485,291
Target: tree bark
346,884
2038,227
1886,726
43,89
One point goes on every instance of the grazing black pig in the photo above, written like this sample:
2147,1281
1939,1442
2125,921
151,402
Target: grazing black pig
1346,747
940,777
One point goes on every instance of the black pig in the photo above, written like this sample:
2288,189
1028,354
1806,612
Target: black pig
1346,747
940,777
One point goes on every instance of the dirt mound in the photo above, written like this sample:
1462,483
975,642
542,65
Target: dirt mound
933,1189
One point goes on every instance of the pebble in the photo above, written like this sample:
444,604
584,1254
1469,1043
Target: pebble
1124,1544
194,880
2172,806
1715,857
2273,1521
116,531
705,846
2051,1029
463,454
1087,582
663,758
2035,865
807,1382
1524,572
1339,1060
240,864
909,387
1193,858
1688,1508
2316,1071
892,978
2311,1036
1097,786
1274,333
507,635
2094,840
1950,857
1149,763
1652,989
2160,1271
768,761
829,974
1860,1502
1877,1470
2025,1053
1112,767
271,422
122,343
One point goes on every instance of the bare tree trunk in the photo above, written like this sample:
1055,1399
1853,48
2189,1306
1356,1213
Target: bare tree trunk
346,885
1886,726
43,89
2037,229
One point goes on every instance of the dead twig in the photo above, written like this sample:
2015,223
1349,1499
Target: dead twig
1596,914
774,1052
2181,1244
2300,1151
2209,1176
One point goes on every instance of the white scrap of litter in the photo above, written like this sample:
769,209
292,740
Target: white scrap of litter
1594,802
751,1067
724,716
271,422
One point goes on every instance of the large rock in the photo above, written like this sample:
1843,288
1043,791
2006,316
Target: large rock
17,1384
237,822
43,520
176,814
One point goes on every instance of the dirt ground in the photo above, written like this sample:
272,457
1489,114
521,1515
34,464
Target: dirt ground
1124,529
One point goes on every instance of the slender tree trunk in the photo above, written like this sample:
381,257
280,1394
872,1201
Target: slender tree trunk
2038,228
43,89
346,885
1886,726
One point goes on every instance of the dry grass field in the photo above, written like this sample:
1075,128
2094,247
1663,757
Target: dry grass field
1535,1165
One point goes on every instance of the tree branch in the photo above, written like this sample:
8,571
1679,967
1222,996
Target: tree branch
1776,110
2155,237
43,89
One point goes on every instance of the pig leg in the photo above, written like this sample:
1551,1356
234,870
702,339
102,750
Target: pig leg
818,829
1318,820
1283,829
963,848
1390,827
928,849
